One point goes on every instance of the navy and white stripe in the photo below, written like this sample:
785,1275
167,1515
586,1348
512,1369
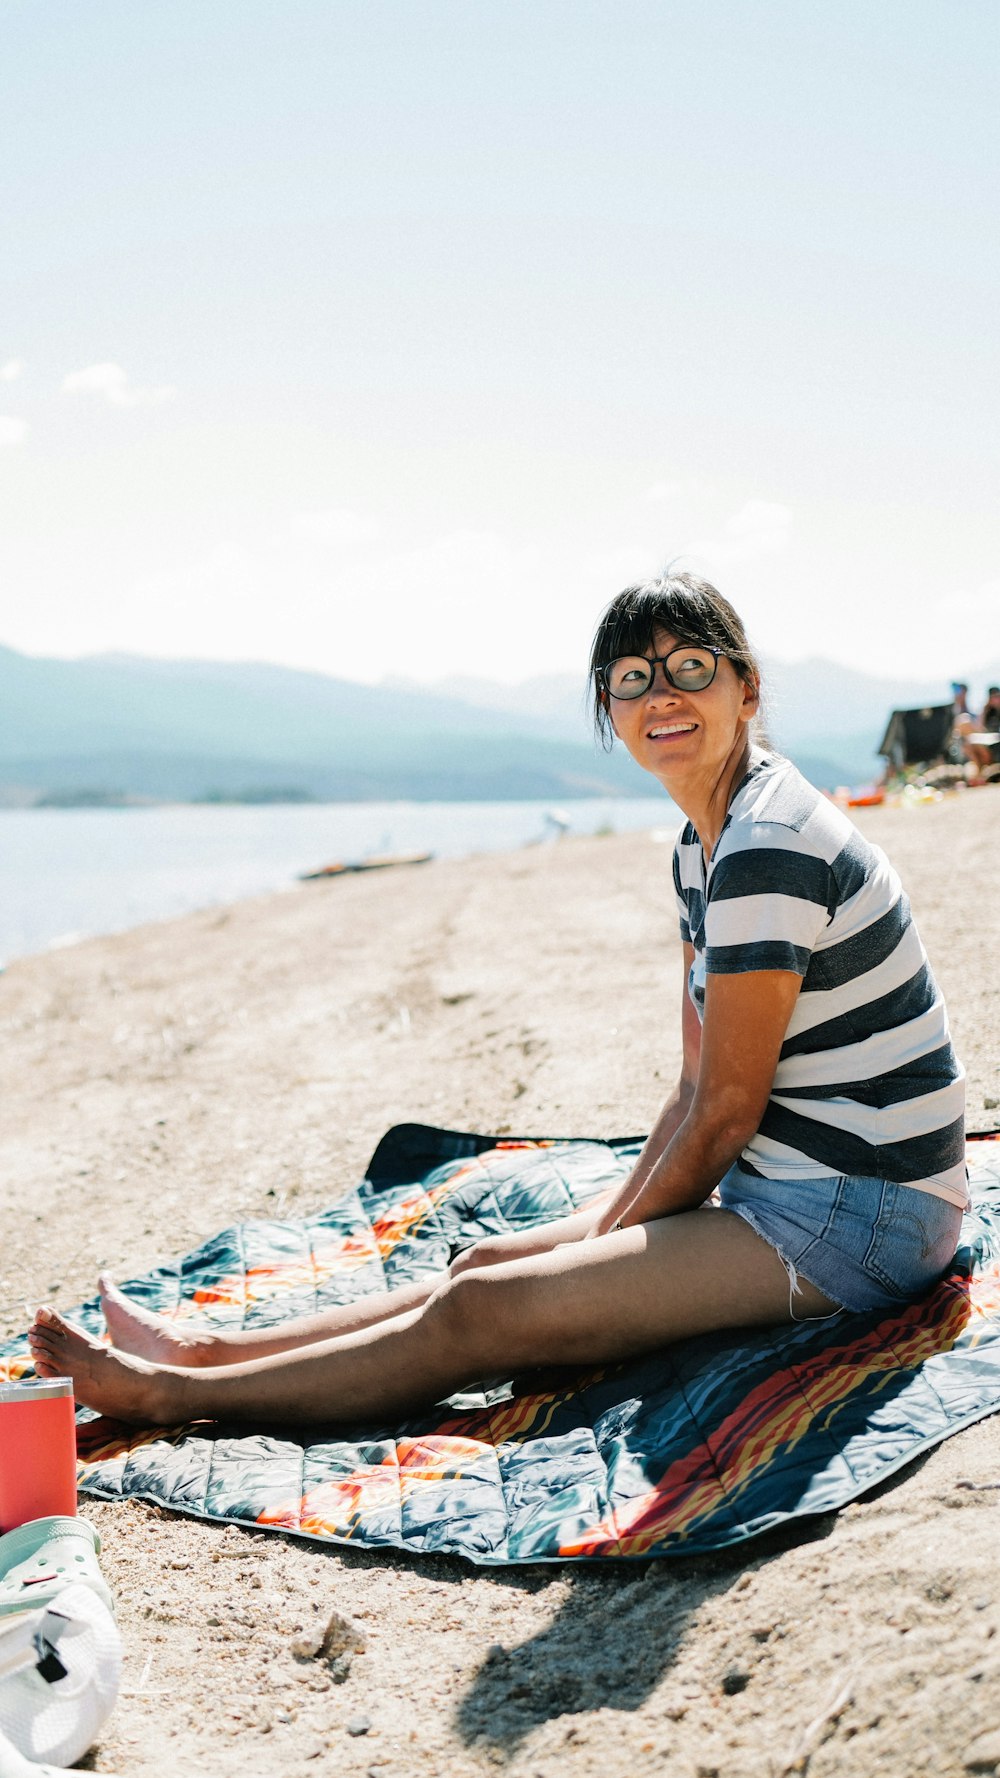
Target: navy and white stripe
867,1081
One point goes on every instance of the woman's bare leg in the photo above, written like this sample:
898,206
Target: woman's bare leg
193,1345
196,1344
582,1303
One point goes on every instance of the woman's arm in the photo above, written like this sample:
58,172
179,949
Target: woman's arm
708,1121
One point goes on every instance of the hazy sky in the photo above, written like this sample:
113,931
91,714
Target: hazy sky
393,336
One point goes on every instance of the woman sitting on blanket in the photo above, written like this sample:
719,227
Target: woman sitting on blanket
819,1094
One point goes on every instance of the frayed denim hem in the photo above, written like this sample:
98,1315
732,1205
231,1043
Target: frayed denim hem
794,1286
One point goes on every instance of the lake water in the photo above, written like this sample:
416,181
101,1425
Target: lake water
67,874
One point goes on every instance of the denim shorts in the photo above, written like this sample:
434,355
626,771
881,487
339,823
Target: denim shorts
865,1243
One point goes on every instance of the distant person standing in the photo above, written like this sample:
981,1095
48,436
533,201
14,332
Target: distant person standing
967,748
987,742
963,719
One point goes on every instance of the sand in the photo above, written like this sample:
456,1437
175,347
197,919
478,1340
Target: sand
160,1083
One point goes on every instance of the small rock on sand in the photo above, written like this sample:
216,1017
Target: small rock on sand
339,1636
984,1753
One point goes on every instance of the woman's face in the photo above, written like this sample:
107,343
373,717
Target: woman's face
681,734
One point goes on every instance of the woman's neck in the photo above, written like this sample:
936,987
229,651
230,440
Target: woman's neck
706,803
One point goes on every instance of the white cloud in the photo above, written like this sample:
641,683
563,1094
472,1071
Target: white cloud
10,371
337,526
111,382
329,589
764,523
759,528
626,564
973,624
210,609
464,600
685,487
12,431
456,588
981,602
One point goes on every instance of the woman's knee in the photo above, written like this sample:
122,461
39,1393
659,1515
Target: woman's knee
459,1308
465,1262
488,1252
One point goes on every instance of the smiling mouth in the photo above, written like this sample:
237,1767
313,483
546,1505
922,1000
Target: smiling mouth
666,730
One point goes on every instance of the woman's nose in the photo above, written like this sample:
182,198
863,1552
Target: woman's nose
664,683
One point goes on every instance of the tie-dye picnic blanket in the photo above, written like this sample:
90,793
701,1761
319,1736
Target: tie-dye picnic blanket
700,1445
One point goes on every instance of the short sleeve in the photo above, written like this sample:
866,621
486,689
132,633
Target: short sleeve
766,908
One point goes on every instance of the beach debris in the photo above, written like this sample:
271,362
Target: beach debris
983,1755
337,1639
144,1689
358,1725
808,1740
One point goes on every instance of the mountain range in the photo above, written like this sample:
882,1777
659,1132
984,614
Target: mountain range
111,726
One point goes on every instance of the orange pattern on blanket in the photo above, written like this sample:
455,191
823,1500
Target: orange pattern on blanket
104,1437
343,1504
777,1415
13,1369
260,1284
402,1219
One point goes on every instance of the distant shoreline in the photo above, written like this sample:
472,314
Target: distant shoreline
72,872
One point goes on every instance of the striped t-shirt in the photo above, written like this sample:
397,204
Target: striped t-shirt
867,1081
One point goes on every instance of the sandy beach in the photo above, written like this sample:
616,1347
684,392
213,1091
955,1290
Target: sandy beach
162,1083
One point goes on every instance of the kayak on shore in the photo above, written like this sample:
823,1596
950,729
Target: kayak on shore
384,861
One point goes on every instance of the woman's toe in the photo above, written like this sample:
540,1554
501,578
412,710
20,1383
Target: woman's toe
50,1319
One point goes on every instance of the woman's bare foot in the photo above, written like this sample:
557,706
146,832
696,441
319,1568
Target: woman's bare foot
114,1383
146,1335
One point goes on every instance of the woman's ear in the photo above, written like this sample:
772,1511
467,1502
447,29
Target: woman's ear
751,700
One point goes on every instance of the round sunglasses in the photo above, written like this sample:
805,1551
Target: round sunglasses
685,668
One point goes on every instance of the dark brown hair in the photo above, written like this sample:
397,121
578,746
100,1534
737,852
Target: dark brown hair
691,609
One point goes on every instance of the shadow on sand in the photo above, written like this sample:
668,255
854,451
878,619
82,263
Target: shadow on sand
575,1665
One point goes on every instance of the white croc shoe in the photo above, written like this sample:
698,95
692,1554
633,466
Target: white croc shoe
40,1558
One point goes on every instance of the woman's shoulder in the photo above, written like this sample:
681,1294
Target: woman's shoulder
775,790
776,805
783,832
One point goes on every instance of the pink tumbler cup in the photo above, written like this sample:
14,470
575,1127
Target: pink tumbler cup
37,1451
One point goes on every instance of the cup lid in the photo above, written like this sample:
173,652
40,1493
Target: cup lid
45,1389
